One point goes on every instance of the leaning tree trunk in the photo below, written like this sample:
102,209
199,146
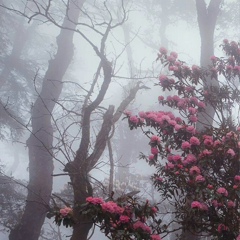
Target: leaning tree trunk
41,139
207,18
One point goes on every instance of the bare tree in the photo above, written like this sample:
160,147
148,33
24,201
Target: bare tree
40,141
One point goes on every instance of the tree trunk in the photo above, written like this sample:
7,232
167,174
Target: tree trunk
40,141
207,18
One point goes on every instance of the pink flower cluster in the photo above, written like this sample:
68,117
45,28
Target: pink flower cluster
141,225
222,191
112,207
94,201
65,211
198,205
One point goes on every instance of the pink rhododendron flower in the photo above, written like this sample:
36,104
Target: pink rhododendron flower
230,204
171,59
196,204
128,113
193,118
231,152
192,110
177,127
142,226
204,207
195,68
206,152
155,138
169,166
214,58
208,142
215,203
209,186
154,151
154,210
238,237
176,158
163,50
142,114
194,170
194,100
65,211
157,237
190,158
237,179
199,179
174,54
222,191
201,105
185,145
159,179
160,98
124,219
194,141
112,207
216,143
151,157
94,201
222,227
191,129
134,119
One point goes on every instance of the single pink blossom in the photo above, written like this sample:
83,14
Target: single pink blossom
155,138
160,98
237,179
174,54
112,207
169,166
231,152
154,151
193,118
194,170
230,204
65,211
209,186
192,110
191,129
185,145
141,225
201,105
163,50
134,119
151,157
196,204
199,179
157,237
124,219
154,210
94,201
159,179
222,227
222,191
194,141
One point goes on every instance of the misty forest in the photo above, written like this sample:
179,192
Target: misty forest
119,119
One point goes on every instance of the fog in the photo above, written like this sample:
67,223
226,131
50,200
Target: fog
49,76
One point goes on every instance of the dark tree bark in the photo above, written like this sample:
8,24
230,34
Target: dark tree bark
84,162
40,141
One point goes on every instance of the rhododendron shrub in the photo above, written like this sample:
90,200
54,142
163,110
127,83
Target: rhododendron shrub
198,172
124,219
